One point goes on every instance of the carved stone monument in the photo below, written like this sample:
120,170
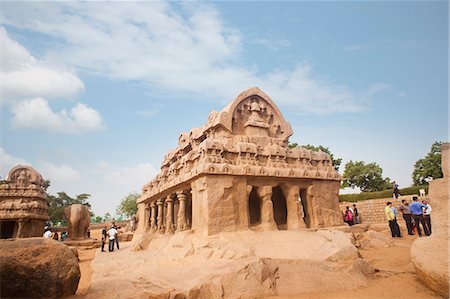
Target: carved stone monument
78,221
23,209
237,172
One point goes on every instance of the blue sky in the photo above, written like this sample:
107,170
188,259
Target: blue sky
94,95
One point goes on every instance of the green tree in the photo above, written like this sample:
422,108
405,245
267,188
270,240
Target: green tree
368,177
336,161
128,204
107,216
98,219
57,204
429,167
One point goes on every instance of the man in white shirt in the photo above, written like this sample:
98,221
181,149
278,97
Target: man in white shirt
426,215
48,234
112,233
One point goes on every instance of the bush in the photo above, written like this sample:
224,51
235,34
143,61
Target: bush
414,190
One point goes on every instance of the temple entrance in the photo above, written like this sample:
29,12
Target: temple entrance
7,229
304,205
254,208
279,208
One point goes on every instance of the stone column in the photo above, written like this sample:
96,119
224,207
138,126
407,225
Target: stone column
181,221
169,215
146,217
267,220
19,230
294,217
153,226
160,218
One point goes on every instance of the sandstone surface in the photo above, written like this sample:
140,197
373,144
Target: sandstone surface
373,239
37,268
430,255
243,264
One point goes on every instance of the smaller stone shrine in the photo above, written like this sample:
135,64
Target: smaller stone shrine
23,208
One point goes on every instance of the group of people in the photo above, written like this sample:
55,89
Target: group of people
351,216
415,215
112,235
50,233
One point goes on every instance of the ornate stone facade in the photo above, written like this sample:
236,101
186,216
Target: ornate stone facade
237,172
23,209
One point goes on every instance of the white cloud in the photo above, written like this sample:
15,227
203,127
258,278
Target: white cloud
132,177
24,76
175,47
37,114
58,173
7,162
272,44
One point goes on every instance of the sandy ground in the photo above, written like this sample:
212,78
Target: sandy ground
395,277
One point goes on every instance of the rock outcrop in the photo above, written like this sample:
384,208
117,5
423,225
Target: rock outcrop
242,264
430,255
37,268
373,239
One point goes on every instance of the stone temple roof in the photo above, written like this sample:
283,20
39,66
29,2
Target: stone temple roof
248,137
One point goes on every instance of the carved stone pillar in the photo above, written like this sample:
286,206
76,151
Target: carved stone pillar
267,220
181,221
160,218
294,207
153,226
19,230
146,217
169,215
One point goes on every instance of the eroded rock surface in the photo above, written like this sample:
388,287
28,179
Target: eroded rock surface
37,268
246,264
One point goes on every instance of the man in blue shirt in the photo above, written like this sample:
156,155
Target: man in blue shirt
416,209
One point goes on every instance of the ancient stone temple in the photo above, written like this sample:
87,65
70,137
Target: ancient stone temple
23,209
237,172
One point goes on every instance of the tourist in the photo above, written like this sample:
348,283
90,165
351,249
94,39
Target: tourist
396,191
355,214
348,216
406,213
112,233
390,216
416,209
48,234
117,236
88,233
104,236
426,215
63,236
56,236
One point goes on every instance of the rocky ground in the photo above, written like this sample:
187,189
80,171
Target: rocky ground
389,273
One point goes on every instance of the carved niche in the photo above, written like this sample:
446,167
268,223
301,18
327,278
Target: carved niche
254,116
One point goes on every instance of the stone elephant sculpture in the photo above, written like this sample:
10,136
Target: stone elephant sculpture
78,221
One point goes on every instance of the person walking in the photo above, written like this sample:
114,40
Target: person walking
390,216
426,215
417,214
406,213
396,191
112,233
355,214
